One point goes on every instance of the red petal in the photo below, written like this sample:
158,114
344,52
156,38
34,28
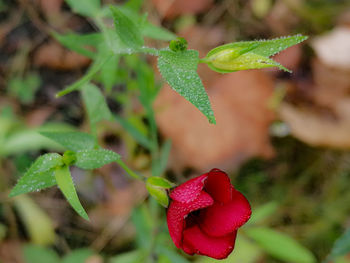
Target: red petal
222,219
215,247
189,190
178,211
218,185
188,248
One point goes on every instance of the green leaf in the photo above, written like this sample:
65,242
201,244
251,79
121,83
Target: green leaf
38,254
344,259
38,224
280,245
108,75
66,185
39,175
262,212
95,104
92,159
170,254
144,224
180,70
26,140
113,42
271,47
147,29
128,32
249,54
159,182
87,8
134,5
159,193
79,43
341,246
78,256
73,141
163,259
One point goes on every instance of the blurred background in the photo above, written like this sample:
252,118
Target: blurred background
283,138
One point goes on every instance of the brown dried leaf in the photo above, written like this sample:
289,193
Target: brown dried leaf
38,116
333,48
331,83
172,8
325,119
119,204
53,55
11,252
50,7
94,259
319,129
239,101
281,19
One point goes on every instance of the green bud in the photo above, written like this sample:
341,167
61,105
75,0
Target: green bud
239,56
249,54
160,182
69,158
178,44
158,192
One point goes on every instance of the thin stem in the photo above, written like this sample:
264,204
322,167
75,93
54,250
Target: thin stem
150,50
96,66
93,130
204,60
128,170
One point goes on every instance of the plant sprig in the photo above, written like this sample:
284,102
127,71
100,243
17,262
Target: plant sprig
178,66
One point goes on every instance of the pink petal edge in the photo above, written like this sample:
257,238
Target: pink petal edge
189,190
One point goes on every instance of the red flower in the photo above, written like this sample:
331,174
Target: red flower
205,214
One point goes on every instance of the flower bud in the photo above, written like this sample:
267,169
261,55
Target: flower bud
69,158
234,57
178,44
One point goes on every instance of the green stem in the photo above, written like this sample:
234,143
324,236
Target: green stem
93,130
204,60
150,51
96,66
128,170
